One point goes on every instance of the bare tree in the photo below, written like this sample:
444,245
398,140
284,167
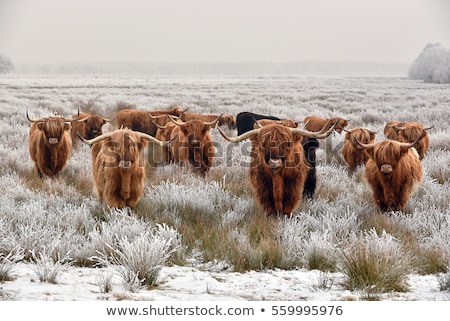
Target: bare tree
432,65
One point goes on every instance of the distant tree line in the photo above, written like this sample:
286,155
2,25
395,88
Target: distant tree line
6,64
432,65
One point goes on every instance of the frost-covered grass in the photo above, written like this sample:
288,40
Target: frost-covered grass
215,219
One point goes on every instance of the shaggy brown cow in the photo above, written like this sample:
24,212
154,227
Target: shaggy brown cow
89,126
49,144
193,145
227,120
393,172
163,134
316,124
391,129
354,155
118,166
278,168
143,120
408,132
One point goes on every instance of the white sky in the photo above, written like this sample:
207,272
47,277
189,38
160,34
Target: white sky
221,30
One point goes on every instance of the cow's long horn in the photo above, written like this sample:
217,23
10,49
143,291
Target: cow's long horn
34,120
154,117
178,122
96,139
365,146
159,126
240,137
214,122
319,135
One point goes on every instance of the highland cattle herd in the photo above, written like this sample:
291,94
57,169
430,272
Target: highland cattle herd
283,152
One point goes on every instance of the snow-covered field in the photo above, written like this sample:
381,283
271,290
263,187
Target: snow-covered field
60,215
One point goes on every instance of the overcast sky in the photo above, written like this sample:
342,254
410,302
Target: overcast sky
393,31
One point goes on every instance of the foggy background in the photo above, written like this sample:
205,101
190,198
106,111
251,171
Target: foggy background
196,35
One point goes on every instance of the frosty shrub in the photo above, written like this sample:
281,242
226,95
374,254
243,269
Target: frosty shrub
47,265
8,262
139,260
444,280
375,265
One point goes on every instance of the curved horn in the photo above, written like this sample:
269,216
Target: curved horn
240,137
214,122
319,135
154,117
178,122
159,126
34,120
94,140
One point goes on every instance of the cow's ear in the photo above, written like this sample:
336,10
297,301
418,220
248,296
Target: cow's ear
40,126
67,126
372,136
347,136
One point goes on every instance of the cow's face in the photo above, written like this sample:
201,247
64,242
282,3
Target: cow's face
386,155
228,120
123,150
94,126
195,132
342,123
275,145
54,129
362,135
410,133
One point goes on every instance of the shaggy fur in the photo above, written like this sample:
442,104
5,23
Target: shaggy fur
410,132
118,167
89,126
285,122
354,155
316,124
224,120
278,169
50,145
164,134
140,120
393,174
192,146
391,129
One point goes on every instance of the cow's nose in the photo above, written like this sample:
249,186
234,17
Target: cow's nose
53,140
386,169
125,164
275,164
